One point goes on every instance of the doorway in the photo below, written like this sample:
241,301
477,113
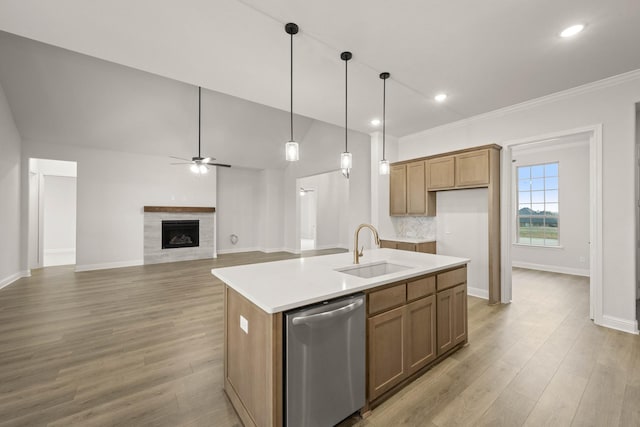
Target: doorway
52,212
322,211
510,211
308,218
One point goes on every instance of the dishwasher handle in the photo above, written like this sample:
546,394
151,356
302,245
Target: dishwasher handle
319,317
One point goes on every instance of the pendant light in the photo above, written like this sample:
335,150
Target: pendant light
384,163
291,148
345,158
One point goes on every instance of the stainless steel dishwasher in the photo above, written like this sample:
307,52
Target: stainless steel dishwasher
324,362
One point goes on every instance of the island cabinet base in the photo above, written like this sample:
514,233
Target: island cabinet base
253,361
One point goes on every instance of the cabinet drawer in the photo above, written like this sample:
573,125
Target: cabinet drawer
387,298
421,288
452,278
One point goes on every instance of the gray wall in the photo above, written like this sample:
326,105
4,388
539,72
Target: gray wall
11,263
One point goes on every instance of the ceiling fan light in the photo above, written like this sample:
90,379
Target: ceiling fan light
383,167
194,168
203,169
291,151
345,160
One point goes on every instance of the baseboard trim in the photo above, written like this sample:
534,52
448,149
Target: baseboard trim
238,250
12,278
552,268
477,292
108,265
624,325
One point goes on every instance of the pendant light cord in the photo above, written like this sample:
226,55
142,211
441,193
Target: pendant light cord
291,91
384,111
199,119
346,103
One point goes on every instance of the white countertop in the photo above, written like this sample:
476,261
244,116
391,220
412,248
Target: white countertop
408,239
283,285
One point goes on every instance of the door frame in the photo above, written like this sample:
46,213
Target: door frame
595,207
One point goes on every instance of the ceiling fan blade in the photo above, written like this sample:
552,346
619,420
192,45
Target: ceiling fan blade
180,158
219,164
187,163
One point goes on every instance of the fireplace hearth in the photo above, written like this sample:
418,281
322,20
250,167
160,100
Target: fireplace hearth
180,234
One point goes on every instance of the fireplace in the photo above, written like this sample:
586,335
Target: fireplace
180,234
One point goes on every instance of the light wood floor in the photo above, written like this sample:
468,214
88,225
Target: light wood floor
143,346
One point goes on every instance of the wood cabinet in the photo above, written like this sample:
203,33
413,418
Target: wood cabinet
421,333
411,324
451,309
387,365
441,173
477,167
416,189
408,190
398,190
472,169
424,247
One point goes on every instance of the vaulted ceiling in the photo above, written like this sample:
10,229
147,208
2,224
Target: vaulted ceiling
484,54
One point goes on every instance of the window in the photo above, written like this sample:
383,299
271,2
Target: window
538,205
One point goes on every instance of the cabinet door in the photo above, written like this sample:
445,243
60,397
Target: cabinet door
416,189
441,173
444,310
472,169
386,344
421,333
398,190
459,314
390,244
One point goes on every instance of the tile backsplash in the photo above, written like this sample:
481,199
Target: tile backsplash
415,226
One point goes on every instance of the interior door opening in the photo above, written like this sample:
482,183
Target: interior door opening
579,252
52,212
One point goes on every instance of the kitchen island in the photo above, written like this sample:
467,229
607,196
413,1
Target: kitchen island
416,316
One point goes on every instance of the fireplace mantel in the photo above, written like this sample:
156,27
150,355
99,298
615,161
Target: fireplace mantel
180,209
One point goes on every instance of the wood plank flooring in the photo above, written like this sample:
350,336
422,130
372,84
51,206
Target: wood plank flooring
143,346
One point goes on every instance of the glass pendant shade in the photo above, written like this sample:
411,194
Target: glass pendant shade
203,169
383,167
195,168
345,160
291,151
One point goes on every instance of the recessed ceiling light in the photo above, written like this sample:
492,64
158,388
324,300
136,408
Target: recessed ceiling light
375,122
572,30
440,97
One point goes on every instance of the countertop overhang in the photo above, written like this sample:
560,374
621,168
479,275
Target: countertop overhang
283,285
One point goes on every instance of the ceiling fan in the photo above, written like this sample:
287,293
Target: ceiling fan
199,164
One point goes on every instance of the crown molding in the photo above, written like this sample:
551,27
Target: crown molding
547,99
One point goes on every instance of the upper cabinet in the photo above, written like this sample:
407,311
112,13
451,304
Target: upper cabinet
441,173
472,169
408,190
465,170
398,190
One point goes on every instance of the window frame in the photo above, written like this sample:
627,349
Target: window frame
544,216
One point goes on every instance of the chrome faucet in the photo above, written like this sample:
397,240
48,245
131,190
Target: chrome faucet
356,254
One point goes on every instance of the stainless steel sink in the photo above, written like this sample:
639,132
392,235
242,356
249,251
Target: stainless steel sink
375,269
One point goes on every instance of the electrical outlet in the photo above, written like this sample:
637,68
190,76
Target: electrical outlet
244,324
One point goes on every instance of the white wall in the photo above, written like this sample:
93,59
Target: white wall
610,102
59,225
112,189
572,257
238,209
462,231
11,261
